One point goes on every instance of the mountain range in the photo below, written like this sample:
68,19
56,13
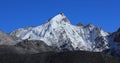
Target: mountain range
59,35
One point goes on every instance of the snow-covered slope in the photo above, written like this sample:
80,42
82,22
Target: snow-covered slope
59,32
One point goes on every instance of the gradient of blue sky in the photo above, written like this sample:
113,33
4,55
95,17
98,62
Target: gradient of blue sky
16,14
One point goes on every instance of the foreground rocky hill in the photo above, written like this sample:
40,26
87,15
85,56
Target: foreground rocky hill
62,57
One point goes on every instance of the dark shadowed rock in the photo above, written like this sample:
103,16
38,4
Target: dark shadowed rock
116,36
79,24
35,46
89,25
115,43
63,57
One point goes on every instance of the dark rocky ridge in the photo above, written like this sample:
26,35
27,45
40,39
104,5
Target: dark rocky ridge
114,40
63,57
35,46
117,36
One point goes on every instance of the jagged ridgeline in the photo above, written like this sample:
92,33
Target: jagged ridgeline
58,41
59,32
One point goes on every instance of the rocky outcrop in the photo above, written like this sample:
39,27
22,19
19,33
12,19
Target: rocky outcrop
35,46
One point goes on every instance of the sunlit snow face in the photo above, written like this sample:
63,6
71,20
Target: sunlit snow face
58,32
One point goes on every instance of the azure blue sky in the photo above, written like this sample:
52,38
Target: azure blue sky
16,14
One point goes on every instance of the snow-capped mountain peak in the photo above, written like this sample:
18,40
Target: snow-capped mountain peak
60,18
59,32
